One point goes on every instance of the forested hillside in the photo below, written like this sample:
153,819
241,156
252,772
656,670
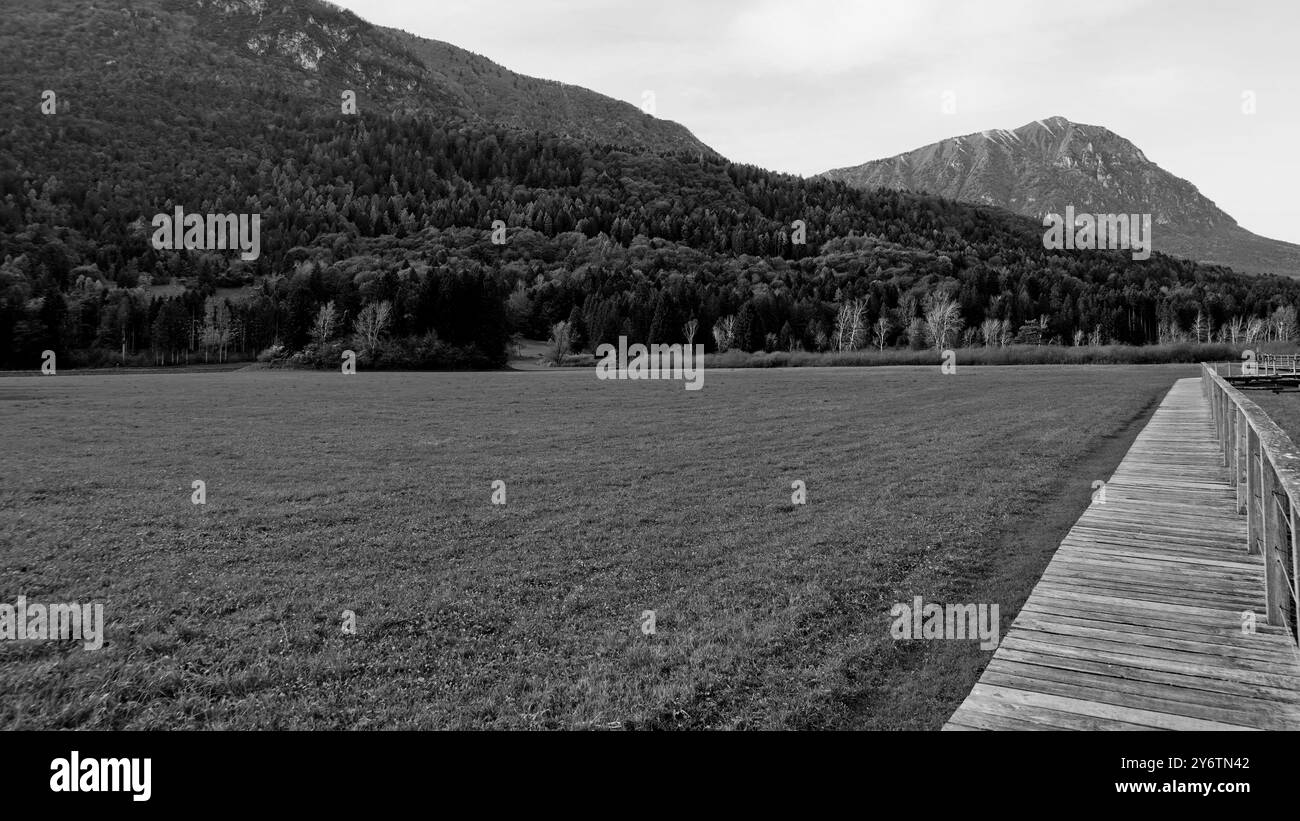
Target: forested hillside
384,219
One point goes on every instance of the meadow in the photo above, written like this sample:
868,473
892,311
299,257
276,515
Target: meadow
1282,406
373,494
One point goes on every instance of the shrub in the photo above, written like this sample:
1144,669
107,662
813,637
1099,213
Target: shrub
1189,352
275,353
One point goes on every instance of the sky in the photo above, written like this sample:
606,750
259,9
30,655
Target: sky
1210,91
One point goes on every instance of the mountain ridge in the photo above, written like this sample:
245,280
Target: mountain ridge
326,49
1047,164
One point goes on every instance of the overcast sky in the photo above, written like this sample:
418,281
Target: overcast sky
807,85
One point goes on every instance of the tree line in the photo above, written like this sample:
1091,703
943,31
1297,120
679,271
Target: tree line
399,211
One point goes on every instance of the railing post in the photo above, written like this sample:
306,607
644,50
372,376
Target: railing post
1242,440
1295,567
1274,588
1253,482
1226,416
1216,414
1230,444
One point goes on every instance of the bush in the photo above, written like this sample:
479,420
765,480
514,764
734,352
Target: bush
275,353
1011,355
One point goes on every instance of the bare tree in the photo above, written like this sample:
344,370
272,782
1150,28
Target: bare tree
841,325
209,339
858,325
1284,323
370,325
216,327
1199,327
850,325
881,331
724,333
1169,331
907,307
1255,330
689,330
942,321
557,347
989,330
1236,329
322,328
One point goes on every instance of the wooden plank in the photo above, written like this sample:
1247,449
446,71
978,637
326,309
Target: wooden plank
1231,600
1129,716
1187,666
1155,699
1209,655
1136,630
1013,714
1140,637
1102,682
1175,609
1179,681
1135,619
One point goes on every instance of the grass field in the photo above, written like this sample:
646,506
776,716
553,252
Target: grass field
1282,407
372,493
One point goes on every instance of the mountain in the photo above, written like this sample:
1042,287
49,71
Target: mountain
489,92
300,48
1042,167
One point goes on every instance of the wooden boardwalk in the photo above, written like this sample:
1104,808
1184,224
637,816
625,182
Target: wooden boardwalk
1136,623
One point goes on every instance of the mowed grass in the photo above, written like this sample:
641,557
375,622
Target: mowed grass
372,493
1282,406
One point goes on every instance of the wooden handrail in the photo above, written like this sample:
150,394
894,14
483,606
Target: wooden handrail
1264,364
1263,463
1273,363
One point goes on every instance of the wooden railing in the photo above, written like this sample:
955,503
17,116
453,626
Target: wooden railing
1265,364
1264,466
1272,363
